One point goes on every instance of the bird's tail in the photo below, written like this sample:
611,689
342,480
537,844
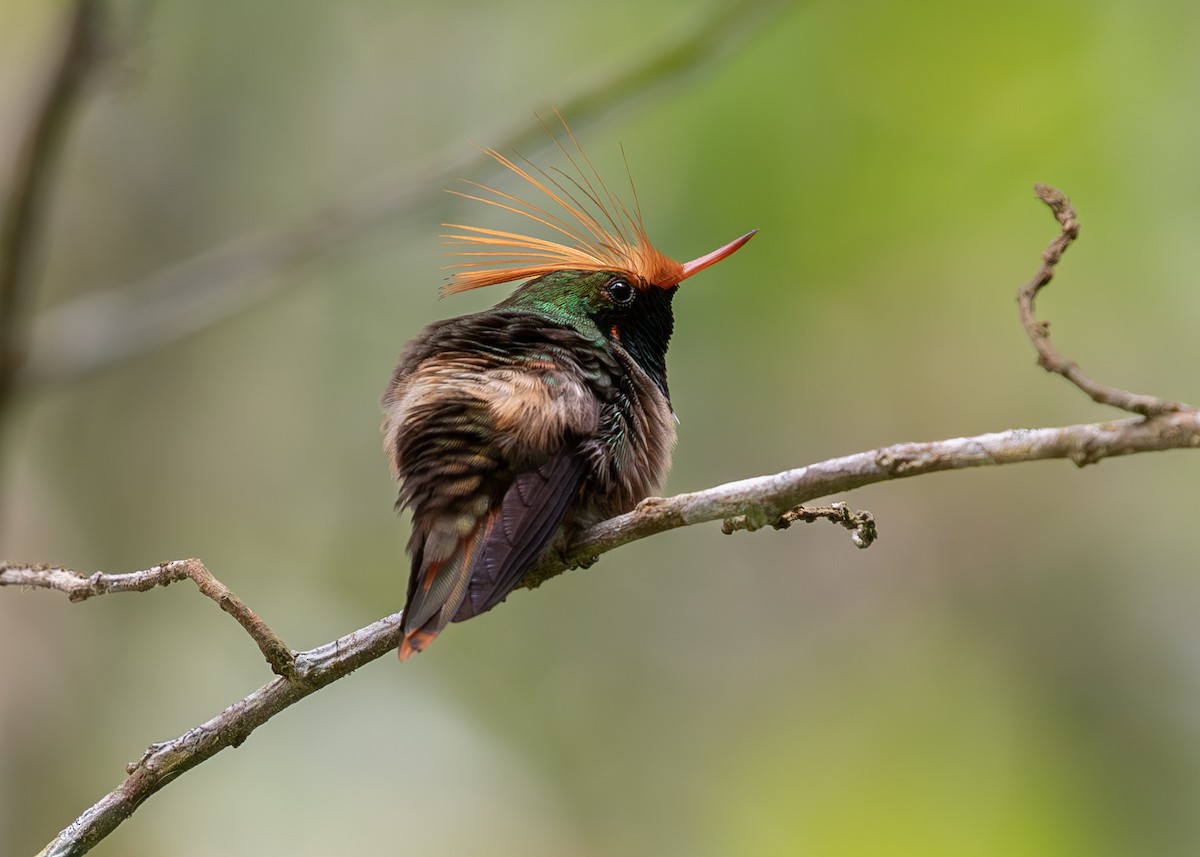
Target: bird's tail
458,576
442,570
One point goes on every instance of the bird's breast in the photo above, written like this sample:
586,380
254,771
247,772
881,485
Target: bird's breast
632,454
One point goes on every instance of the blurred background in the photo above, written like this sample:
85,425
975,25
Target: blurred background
1013,668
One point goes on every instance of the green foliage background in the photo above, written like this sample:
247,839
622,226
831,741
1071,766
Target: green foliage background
1014,668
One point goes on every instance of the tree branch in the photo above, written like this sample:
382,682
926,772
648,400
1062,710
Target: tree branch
747,504
768,498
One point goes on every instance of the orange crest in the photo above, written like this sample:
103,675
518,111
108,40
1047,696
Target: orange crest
613,239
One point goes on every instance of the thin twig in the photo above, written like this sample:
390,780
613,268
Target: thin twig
79,588
30,176
1049,357
111,325
861,525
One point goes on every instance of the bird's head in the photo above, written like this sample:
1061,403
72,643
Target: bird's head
602,268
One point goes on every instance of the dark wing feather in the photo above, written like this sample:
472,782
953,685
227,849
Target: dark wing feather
486,564
529,514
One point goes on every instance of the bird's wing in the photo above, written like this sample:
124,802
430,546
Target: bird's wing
530,512
484,564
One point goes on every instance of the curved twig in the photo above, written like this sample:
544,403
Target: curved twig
1049,357
860,524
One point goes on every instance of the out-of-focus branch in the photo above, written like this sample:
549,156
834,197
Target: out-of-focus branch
30,174
107,326
746,504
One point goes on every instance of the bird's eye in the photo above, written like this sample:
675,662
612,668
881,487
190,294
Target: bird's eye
620,291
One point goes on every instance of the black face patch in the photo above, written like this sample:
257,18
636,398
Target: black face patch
643,326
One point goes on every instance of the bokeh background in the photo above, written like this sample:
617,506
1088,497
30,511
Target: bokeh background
1013,668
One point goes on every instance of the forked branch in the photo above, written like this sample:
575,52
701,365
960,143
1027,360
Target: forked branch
80,588
747,504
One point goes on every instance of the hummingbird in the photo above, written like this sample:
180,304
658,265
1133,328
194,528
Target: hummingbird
509,430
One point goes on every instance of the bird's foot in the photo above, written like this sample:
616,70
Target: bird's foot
574,562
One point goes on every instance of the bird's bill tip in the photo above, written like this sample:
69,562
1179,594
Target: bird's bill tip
697,265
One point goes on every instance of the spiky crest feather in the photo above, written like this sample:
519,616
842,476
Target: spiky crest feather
615,241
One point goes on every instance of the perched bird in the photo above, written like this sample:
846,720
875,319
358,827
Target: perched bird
544,414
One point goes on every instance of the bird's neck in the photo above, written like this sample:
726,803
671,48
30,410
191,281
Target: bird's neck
643,333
